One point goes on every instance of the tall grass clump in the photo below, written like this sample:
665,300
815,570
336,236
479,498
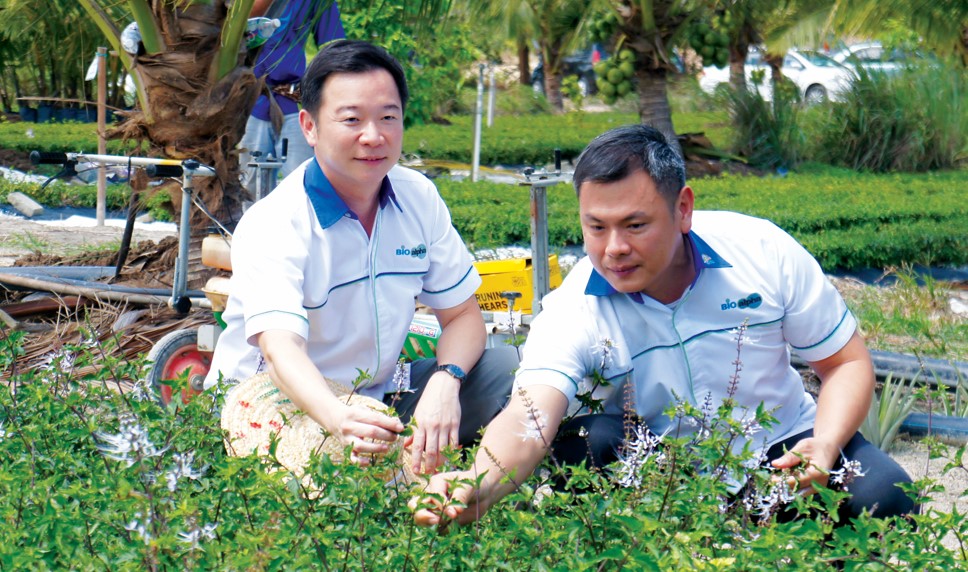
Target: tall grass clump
767,133
915,120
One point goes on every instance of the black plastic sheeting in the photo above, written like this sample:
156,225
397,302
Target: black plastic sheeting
83,277
921,424
936,371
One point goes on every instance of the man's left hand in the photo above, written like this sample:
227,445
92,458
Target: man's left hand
438,419
819,457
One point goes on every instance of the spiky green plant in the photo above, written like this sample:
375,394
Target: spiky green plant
888,411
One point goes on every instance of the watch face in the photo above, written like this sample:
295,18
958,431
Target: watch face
453,370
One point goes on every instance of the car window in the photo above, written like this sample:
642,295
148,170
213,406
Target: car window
792,63
819,59
869,55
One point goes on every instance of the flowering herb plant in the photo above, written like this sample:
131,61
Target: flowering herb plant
95,474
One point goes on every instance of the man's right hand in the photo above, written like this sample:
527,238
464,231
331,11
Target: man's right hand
368,431
448,497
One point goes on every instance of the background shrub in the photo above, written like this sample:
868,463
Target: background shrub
767,133
916,120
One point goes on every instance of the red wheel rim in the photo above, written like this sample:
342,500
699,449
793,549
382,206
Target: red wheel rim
196,362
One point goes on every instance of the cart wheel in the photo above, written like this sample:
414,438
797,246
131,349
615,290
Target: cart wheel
171,356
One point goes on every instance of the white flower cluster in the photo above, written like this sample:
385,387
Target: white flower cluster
604,350
195,535
142,390
540,494
764,506
845,475
401,378
638,448
140,525
183,469
750,427
3,433
533,426
130,445
57,361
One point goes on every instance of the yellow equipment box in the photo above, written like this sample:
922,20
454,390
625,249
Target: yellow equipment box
514,275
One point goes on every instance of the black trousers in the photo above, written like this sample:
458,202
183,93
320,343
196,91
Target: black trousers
483,394
877,491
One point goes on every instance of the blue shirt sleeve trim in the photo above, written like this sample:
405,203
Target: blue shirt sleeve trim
459,282
303,318
828,336
563,374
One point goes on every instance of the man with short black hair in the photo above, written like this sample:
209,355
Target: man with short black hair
326,271
655,310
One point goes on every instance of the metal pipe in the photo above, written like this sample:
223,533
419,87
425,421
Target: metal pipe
102,146
180,284
539,243
92,293
490,99
476,161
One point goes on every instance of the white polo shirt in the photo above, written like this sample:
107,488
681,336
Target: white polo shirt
748,272
302,262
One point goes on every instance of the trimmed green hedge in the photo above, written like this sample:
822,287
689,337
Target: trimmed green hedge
847,220
532,139
70,137
85,196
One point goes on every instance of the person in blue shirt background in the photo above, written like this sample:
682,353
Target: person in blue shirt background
282,62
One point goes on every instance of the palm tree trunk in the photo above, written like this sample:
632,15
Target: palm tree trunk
524,63
737,64
654,107
776,74
552,77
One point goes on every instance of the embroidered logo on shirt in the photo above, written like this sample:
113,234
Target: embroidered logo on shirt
752,301
419,251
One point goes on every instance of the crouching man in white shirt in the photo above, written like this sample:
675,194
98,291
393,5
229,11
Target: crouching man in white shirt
327,269
654,309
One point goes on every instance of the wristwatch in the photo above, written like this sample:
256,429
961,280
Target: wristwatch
455,372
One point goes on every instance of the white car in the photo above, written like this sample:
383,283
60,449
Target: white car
873,56
817,77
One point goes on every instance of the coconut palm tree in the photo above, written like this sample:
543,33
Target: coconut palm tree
554,24
34,65
650,28
195,87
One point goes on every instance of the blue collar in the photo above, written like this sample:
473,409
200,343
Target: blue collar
703,256
328,205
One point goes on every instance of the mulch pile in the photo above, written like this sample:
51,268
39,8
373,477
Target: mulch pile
54,323
113,332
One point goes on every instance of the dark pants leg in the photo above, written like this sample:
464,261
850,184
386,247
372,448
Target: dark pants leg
876,491
594,439
483,394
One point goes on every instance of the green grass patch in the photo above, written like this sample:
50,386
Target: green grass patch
910,316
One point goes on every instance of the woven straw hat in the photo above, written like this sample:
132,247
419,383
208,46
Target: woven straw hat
256,411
